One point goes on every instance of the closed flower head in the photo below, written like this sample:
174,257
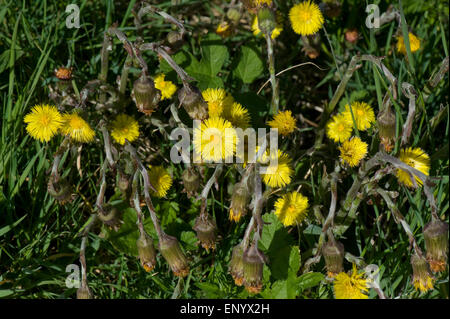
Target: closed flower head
352,286
43,122
339,128
275,32
291,209
353,151
284,122
422,279
306,18
414,43
77,128
160,180
416,158
123,128
362,113
167,88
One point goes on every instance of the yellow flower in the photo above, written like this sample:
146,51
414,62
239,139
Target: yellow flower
416,158
306,18
160,180
236,114
224,29
353,151
215,139
350,286
167,88
279,174
261,2
362,113
291,208
215,99
284,122
124,127
275,32
77,128
414,43
44,121
339,128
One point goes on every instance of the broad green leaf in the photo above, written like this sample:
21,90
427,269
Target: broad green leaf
309,280
189,239
250,65
274,235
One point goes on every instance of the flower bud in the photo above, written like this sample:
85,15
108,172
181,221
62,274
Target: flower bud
146,96
386,128
175,41
172,253
60,189
352,36
84,292
234,15
64,75
333,253
266,20
236,267
110,216
206,229
253,269
436,243
192,100
422,278
123,183
191,181
239,201
146,252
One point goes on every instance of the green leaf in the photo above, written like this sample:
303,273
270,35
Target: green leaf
189,239
274,236
210,290
250,65
309,280
284,289
285,262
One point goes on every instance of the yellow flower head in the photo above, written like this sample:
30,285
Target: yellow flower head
275,32
362,113
416,158
339,128
279,174
44,121
306,18
236,114
414,43
291,208
167,88
215,140
353,151
216,100
224,29
124,127
284,122
77,128
350,286
160,180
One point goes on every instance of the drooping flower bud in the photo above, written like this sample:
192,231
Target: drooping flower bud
266,20
110,216
192,100
146,252
60,189
84,292
236,267
422,278
386,128
253,260
206,229
145,95
172,253
191,181
436,243
175,41
333,253
123,182
239,202
234,15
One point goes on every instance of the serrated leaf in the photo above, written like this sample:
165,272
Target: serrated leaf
249,65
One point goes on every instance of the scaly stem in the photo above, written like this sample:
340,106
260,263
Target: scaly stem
273,80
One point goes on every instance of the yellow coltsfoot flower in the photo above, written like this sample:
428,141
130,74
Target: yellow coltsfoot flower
291,209
353,151
284,122
215,140
414,43
352,286
216,99
275,32
123,128
362,113
277,174
236,114
77,128
339,128
160,179
43,122
167,88
306,18
416,158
